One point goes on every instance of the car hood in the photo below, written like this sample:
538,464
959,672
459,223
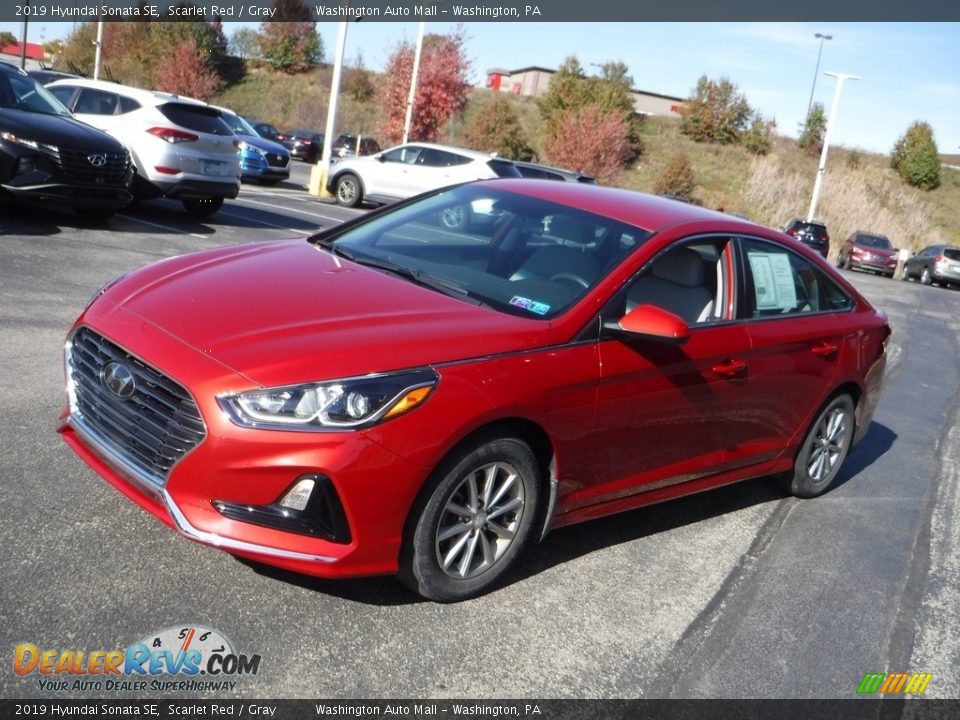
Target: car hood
290,312
56,130
264,144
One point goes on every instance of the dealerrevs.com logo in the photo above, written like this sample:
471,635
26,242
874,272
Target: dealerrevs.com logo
186,658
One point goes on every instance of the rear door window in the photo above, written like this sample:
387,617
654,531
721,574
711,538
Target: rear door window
96,102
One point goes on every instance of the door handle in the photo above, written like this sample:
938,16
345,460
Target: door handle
825,350
730,368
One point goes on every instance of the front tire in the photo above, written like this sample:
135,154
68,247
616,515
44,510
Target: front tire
348,190
824,449
925,277
202,206
472,521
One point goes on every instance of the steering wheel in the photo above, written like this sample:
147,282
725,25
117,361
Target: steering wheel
571,278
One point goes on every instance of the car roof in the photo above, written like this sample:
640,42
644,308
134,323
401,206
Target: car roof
11,69
145,97
473,154
650,212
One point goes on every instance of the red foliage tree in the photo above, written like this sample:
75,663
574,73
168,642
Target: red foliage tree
188,72
590,140
442,87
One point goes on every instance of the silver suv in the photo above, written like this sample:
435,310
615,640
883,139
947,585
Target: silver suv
181,147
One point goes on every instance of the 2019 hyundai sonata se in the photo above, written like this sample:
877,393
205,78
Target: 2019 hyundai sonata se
393,396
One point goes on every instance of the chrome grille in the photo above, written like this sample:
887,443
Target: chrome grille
77,168
148,431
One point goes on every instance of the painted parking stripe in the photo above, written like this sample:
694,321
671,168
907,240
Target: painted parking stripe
164,227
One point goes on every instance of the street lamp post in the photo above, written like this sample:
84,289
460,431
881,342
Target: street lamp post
413,84
816,71
821,170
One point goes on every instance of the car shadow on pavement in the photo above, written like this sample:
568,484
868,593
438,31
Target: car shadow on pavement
569,543
27,220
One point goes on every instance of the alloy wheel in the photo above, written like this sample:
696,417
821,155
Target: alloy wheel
827,449
479,521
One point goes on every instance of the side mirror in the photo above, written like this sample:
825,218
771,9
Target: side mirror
654,323
379,157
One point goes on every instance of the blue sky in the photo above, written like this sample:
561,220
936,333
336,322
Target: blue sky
909,71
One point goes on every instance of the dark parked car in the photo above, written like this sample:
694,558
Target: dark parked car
545,172
392,397
938,264
304,145
868,251
48,76
812,234
268,131
347,146
48,156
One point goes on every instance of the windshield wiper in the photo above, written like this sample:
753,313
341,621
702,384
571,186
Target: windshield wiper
419,277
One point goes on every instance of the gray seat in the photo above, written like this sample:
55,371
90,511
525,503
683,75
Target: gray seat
570,257
676,284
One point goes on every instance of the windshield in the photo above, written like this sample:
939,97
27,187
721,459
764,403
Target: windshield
24,93
238,125
520,255
875,242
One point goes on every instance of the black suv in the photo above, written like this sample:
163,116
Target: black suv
812,234
47,156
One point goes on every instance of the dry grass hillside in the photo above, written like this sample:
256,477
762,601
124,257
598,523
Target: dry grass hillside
860,192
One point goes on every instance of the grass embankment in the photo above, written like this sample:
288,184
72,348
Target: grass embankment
860,192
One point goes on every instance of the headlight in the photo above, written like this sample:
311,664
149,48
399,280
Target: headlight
338,404
32,144
247,146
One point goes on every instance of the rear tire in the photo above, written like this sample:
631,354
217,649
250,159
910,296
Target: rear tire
202,206
348,190
472,520
824,449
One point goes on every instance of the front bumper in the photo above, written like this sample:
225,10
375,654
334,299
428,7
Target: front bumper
188,188
874,265
239,466
72,195
255,167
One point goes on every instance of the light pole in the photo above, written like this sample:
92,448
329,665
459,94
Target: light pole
318,174
826,140
413,84
23,38
816,71
98,57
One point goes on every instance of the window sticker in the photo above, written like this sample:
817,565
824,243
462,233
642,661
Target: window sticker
532,305
773,281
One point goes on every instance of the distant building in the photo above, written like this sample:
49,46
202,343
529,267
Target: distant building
533,82
10,54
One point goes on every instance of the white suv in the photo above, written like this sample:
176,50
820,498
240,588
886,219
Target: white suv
181,147
411,169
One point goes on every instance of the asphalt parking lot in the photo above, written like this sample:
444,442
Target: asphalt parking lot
740,592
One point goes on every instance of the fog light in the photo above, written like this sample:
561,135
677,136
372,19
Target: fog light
26,165
298,496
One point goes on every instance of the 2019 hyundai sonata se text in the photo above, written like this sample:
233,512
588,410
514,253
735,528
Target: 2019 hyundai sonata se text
393,396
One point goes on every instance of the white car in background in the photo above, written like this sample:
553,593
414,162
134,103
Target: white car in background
181,147
407,170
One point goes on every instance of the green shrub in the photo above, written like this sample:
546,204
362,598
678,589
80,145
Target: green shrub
717,112
496,128
916,158
812,131
677,178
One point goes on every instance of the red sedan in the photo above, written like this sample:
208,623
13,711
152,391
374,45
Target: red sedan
393,396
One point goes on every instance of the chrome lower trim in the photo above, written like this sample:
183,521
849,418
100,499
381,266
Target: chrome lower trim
101,447
207,538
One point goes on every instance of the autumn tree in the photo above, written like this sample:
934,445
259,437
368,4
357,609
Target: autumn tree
676,179
916,158
290,41
78,49
496,128
813,129
358,81
442,86
570,90
758,138
7,38
188,72
602,151
716,112
245,43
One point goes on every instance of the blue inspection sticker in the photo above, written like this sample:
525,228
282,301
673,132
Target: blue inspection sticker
532,305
